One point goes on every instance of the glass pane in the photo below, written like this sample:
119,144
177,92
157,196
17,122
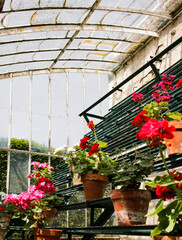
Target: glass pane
18,181
58,110
4,112
76,107
40,129
20,108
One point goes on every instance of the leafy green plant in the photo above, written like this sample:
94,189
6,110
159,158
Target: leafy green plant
130,174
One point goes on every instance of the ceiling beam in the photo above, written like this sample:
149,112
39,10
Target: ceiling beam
77,28
59,60
80,38
159,14
55,70
91,50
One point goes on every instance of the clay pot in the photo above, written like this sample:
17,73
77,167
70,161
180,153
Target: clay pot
131,205
166,238
4,222
47,234
94,185
174,145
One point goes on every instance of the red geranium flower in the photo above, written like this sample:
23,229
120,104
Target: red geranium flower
164,193
94,149
154,131
91,125
140,119
84,142
1,208
179,83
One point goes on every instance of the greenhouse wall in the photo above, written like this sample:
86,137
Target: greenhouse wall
167,36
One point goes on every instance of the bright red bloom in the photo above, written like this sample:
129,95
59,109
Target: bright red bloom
179,83
164,193
94,149
84,143
154,131
140,119
137,97
91,125
1,208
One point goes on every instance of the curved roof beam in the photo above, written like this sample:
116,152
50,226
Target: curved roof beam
88,27
70,49
81,38
59,60
158,14
55,70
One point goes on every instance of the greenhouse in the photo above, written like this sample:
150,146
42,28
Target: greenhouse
91,119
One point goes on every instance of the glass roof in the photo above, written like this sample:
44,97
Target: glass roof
91,35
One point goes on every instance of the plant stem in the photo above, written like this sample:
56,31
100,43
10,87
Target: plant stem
178,192
95,134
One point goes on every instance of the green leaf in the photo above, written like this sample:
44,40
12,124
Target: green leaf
158,208
102,144
163,104
157,230
173,116
29,225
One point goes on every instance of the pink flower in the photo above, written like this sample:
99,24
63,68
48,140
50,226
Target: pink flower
32,188
38,194
30,175
137,97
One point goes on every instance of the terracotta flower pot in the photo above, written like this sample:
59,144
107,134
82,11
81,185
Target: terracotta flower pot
166,238
131,205
47,234
174,145
4,222
94,185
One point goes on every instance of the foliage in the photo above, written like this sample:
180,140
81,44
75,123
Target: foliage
87,157
129,174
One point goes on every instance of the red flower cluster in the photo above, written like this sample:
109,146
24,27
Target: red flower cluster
179,83
164,193
94,147
140,119
91,125
154,131
84,143
45,185
137,97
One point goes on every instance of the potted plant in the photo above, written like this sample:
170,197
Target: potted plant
156,129
6,212
130,202
91,164
37,206
160,110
